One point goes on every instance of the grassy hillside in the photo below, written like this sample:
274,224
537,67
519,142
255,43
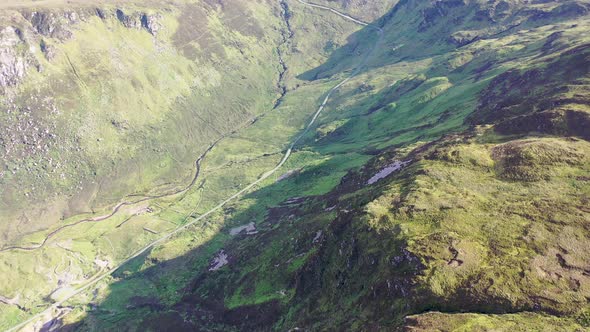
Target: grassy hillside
73,250
444,187
114,98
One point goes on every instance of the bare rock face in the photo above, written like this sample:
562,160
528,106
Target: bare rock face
13,61
139,21
129,21
48,50
50,24
150,23
102,14
49,28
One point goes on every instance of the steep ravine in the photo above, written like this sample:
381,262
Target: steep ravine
287,35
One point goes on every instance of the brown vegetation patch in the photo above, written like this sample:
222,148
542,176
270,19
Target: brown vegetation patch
237,16
532,160
550,98
194,35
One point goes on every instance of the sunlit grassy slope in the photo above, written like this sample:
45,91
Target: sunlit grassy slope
186,90
485,102
125,111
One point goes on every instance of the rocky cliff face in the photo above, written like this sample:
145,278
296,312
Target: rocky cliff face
137,20
14,57
52,24
59,24
39,29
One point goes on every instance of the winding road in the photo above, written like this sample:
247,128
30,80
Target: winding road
98,277
145,198
118,206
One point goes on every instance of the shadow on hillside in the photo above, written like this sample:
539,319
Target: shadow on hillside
345,59
415,31
136,291
403,40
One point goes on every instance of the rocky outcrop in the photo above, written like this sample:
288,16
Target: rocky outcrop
128,21
48,50
150,23
137,21
50,24
58,24
44,29
14,61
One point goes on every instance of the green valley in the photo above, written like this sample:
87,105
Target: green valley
230,165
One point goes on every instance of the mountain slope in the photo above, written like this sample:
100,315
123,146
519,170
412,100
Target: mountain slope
443,186
101,97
